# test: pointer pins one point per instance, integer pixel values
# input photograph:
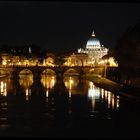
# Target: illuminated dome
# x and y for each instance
(93, 42)
(94, 50)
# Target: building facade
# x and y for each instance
(94, 50)
(77, 59)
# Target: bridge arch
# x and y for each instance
(94, 71)
(71, 71)
(26, 82)
(48, 78)
(48, 71)
(4, 72)
(24, 72)
(25, 78)
(71, 82)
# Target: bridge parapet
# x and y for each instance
(37, 70)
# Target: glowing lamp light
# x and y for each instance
(47, 93)
(4, 63)
(101, 62)
(112, 62)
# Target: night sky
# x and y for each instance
(65, 26)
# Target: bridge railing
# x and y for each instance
(27, 66)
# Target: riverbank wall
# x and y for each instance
(114, 87)
(128, 78)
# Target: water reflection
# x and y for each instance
(111, 99)
(26, 81)
(93, 94)
(3, 88)
(6, 86)
(93, 91)
(96, 94)
(85, 102)
(71, 82)
(48, 81)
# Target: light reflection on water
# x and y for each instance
(26, 81)
(79, 95)
(94, 93)
(71, 82)
(3, 88)
(48, 81)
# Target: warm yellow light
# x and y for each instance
(53, 81)
(102, 93)
(101, 62)
(105, 95)
(117, 104)
(70, 94)
(112, 102)
(48, 81)
(109, 99)
(91, 95)
(27, 94)
(4, 63)
(118, 97)
(71, 82)
(112, 62)
(91, 85)
(47, 93)
(3, 88)
(26, 81)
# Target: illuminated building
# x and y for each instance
(18, 55)
(109, 61)
(6, 58)
(77, 59)
(94, 49)
(49, 61)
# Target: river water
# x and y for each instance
(70, 107)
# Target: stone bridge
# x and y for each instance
(14, 71)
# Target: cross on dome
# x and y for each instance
(93, 34)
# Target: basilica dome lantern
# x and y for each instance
(94, 50)
(93, 42)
